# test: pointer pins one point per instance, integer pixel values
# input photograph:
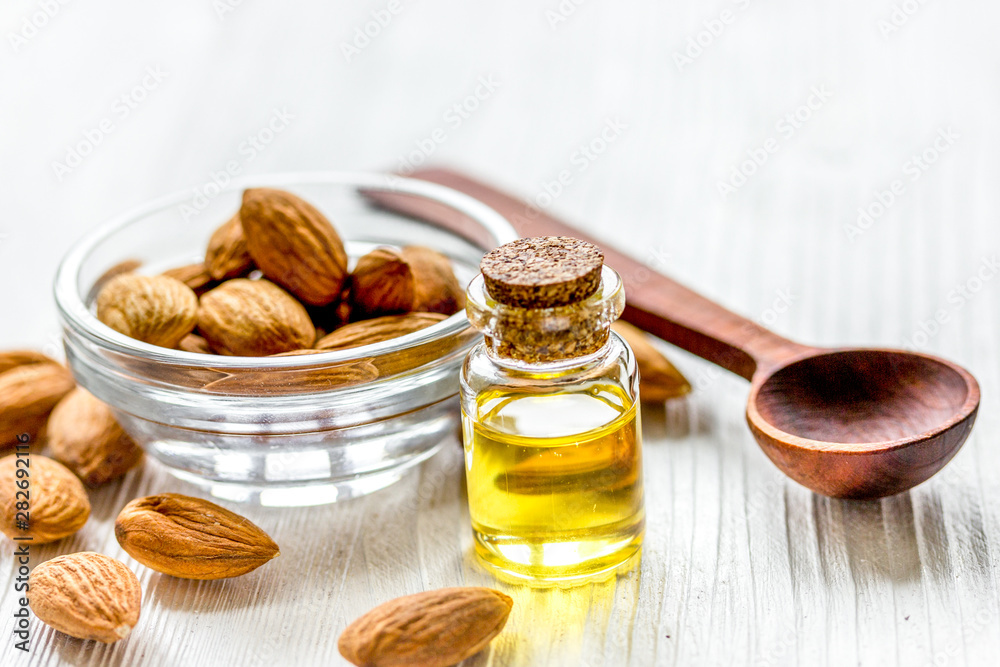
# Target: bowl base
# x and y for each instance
(304, 494)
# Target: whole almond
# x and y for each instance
(437, 290)
(294, 245)
(659, 380)
(86, 595)
(12, 358)
(377, 330)
(389, 281)
(158, 310)
(227, 255)
(253, 318)
(58, 502)
(28, 392)
(195, 276)
(432, 629)
(84, 435)
(191, 538)
(382, 282)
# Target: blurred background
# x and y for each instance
(710, 139)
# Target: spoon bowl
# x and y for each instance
(862, 423)
(847, 422)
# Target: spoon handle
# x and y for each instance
(655, 303)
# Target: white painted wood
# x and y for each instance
(741, 566)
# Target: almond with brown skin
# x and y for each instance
(280, 382)
(194, 343)
(191, 538)
(158, 310)
(227, 255)
(28, 392)
(436, 289)
(127, 266)
(195, 276)
(58, 505)
(84, 435)
(659, 380)
(431, 629)
(377, 330)
(12, 358)
(86, 595)
(388, 281)
(253, 318)
(294, 245)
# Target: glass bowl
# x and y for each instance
(294, 430)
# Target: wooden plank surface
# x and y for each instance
(741, 566)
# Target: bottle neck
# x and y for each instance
(535, 336)
(534, 362)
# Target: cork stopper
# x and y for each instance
(543, 272)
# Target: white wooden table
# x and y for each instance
(741, 566)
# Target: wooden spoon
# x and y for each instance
(845, 422)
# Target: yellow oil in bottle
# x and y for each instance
(555, 482)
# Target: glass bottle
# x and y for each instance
(550, 416)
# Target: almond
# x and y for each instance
(194, 343)
(280, 381)
(377, 330)
(158, 310)
(84, 435)
(227, 255)
(58, 502)
(294, 245)
(659, 380)
(195, 276)
(253, 318)
(191, 538)
(431, 629)
(28, 392)
(13, 358)
(436, 289)
(128, 266)
(86, 595)
(389, 281)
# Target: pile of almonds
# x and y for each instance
(275, 280)
(44, 499)
(91, 596)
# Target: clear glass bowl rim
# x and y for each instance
(76, 314)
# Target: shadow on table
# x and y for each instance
(674, 420)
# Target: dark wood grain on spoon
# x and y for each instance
(846, 422)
